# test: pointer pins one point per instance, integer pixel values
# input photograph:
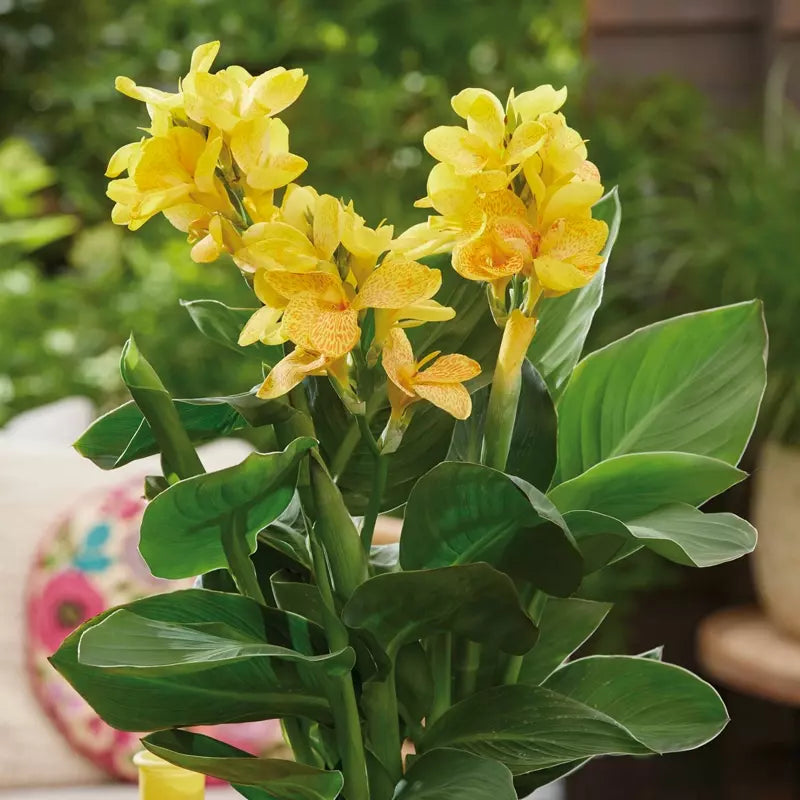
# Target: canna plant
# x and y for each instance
(439, 667)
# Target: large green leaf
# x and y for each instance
(122, 435)
(601, 539)
(564, 321)
(566, 623)
(239, 690)
(446, 774)
(281, 779)
(130, 644)
(427, 439)
(664, 706)
(180, 534)
(474, 601)
(631, 485)
(223, 324)
(532, 455)
(529, 728)
(460, 513)
(690, 384)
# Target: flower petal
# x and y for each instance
(263, 326)
(571, 200)
(453, 368)
(525, 141)
(568, 239)
(558, 276)
(119, 161)
(450, 397)
(465, 151)
(541, 100)
(203, 56)
(483, 259)
(289, 372)
(317, 325)
(323, 286)
(397, 283)
(397, 359)
(326, 230)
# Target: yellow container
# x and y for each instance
(160, 780)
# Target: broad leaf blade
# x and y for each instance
(565, 625)
(632, 485)
(693, 384)
(664, 706)
(180, 535)
(281, 779)
(564, 321)
(445, 774)
(530, 728)
(472, 600)
(240, 691)
(461, 513)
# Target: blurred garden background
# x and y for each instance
(708, 175)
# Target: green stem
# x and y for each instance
(239, 564)
(347, 722)
(514, 665)
(296, 733)
(374, 504)
(379, 700)
(345, 450)
(470, 662)
(441, 657)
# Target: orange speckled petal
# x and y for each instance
(567, 238)
(289, 372)
(480, 259)
(398, 283)
(263, 326)
(317, 325)
(450, 397)
(453, 368)
(398, 360)
(320, 285)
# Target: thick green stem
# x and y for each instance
(514, 665)
(470, 662)
(504, 395)
(501, 415)
(374, 505)
(441, 658)
(239, 564)
(296, 733)
(347, 722)
(379, 701)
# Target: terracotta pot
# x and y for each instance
(776, 514)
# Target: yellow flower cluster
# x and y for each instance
(212, 164)
(513, 192)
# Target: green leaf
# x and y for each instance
(529, 728)
(223, 324)
(472, 600)
(414, 682)
(685, 535)
(180, 534)
(178, 456)
(130, 644)
(242, 690)
(564, 321)
(461, 513)
(445, 774)
(629, 486)
(532, 456)
(565, 625)
(529, 782)
(692, 384)
(281, 779)
(122, 435)
(298, 597)
(677, 532)
(664, 706)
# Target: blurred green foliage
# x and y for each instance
(381, 73)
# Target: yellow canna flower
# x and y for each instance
(291, 370)
(440, 384)
(176, 169)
